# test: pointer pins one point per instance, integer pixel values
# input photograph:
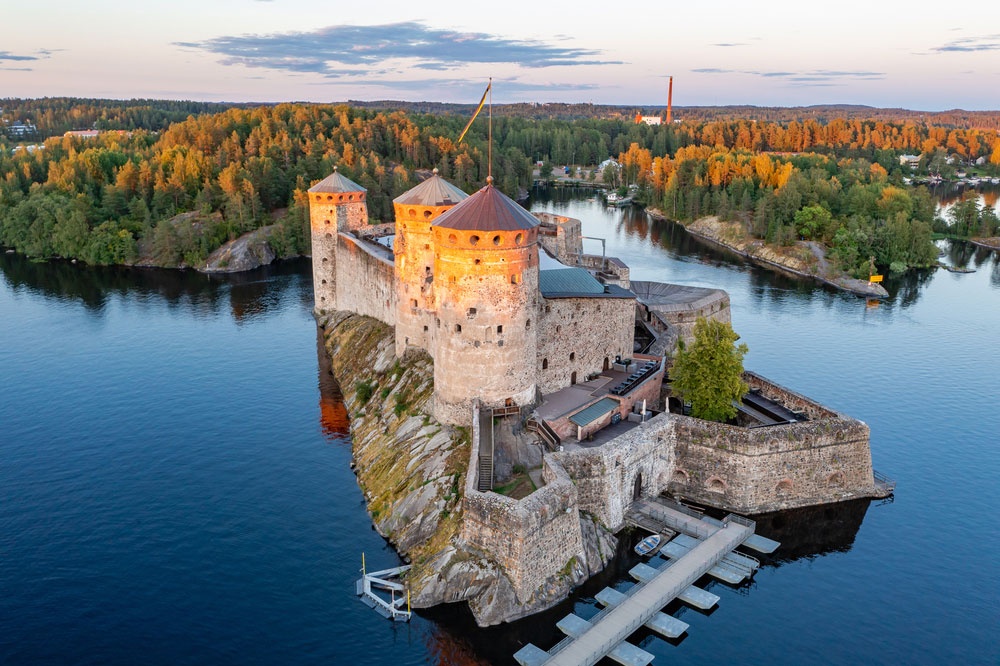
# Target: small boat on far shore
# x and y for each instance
(648, 545)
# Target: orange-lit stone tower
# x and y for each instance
(486, 287)
(335, 204)
(414, 255)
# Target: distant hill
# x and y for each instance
(822, 113)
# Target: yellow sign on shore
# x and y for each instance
(875, 278)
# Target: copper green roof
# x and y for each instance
(336, 183)
(435, 191)
(595, 411)
(489, 209)
(568, 281)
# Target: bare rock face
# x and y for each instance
(249, 251)
(411, 469)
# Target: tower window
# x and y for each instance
(497, 240)
(499, 329)
(473, 240)
(513, 279)
(413, 303)
(458, 328)
(478, 261)
(452, 238)
(572, 356)
(413, 213)
(427, 213)
(472, 312)
(545, 364)
(527, 324)
(518, 239)
(326, 222)
(425, 329)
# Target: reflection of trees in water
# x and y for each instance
(906, 287)
(333, 418)
(249, 294)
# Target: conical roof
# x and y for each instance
(489, 209)
(336, 183)
(435, 191)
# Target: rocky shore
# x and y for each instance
(412, 471)
(802, 259)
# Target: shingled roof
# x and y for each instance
(435, 191)
(336, 183)
(487, 210)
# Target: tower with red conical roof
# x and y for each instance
(335, 204)
(415, 210)
(486, 289)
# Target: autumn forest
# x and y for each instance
(165, 183)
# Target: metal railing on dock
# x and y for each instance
(382, 580)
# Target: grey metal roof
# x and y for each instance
(590, 414)
(336, 183)
(674, 297)
(568, 281)
(489, 209)
(435, 191)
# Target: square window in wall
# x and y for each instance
(458, 328)
(499, 329)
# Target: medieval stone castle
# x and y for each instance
(522, 325)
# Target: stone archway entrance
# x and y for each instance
(637, 488)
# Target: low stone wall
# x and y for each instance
(756, 470)
(366, 279)
(790, 399)
(534, 540)
(561, 236)
(639, 463)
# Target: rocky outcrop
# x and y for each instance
(249, 251)
(801, 259)
(412, 471)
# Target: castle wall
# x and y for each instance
(365, 279)
(756, 470)
(582, 336)
(562, 236)
(533, 539)
(605, 476)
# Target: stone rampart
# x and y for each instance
(561, 236)
(762, 469)
(534, 539)
(365, 279)
(638, 463)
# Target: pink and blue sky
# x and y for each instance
(778, 53)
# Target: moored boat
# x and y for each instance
(648, 545)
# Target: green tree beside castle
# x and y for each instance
(708, 373)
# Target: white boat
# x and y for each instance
(648, 545)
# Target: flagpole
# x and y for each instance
(489, 167)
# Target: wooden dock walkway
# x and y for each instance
(709, 546)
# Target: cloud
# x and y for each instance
(731, 44)
(970, 44)
(826, 75)
(7, 55)
(510, 87)
(355, 50)
(16, 69)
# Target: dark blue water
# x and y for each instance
(175, 484)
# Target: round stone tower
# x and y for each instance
(486, 287)
(335, 204)
(415, 210)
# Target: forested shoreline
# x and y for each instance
(154, 190)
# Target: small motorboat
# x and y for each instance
(648, 545)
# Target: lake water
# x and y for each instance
(175, 484)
